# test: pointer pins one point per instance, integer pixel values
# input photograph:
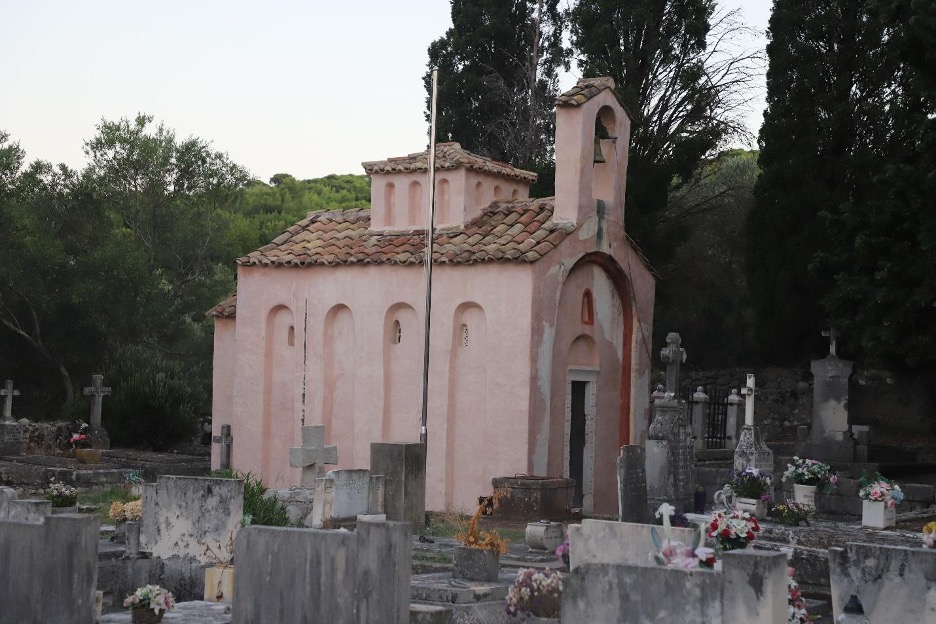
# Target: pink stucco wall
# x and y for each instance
(222, 382)
(489, 436)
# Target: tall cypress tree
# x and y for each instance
(498, 75)
(828, 242)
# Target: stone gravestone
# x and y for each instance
(404, 466)
(632, 484)
(830, 438)
(183, 514)
(11, 433)
(669, 449)
(96, 431)
(49, 569)
(751, 450)
(301, 575)
(343, 495)
(312, 454)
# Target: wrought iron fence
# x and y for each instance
(715, 427)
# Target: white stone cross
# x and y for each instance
(833, 337)
(748, 392)
(96, 391)
(8, 393)
(312, 453)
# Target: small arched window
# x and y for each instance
(397, 335)
(588, 308)
(291, 336)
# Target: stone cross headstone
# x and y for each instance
(225, 440)
(830, 437)
(751, 451)
(97, 391)
(673, 355)
(312, 453)
(7, 392)
(11, 433)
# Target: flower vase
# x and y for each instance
(877, 514)
(805, 494)
(88, 456)
(754, 506)
(475, 564)
(219, 584)
(146, 616)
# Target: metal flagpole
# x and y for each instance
(430, 234)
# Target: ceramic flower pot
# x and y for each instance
(219, 584)
(754, 506)
(805, 495)
(88, 456)
(877, 514)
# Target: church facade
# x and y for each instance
(542, 312)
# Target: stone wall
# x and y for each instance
(885, 401)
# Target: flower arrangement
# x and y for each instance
(796, 608)
(791, 513)
(929, 535)
(151, 597)
(750, 483)
(673, 554)
(80, 439)
(880, 489)
(562, 552)
(129, 512)
(535, 593)
(810, 472)
(732, 530)
(490, 540)
(60, 494)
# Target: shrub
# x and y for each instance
(258, 509)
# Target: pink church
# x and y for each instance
(541, 321)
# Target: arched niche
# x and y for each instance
(279, 396)
(443, 202)
(416, 213)
(389, 206)
(338, 381)
(402, 378)
(604, 177)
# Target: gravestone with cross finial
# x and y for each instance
(830, 437)
(97, 391)
(669, 448)
(11, 432)
(312, 454)
(751, 450)
(225, 441)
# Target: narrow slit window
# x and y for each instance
(397, 335)
(464, 335)
(588, 308)
(291, 336)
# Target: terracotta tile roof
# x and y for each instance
(225, 309)
(448, 156)
(587, 88)
(519, 230)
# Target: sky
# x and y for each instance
(306, 87)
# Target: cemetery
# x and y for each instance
(621, 504)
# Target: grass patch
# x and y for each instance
(102, 499)
(444, 524)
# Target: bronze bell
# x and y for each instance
(599, 157)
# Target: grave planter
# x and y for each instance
(145, 616)
(475, 564)
(877, 514)
(219, 584)
(544, 535)
(805, 494)
(754, 506)
(88, 456)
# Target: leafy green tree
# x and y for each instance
(706, 297)
(675, 68)
(498, 75)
